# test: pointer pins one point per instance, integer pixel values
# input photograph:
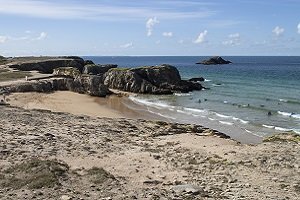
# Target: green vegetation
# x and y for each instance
(34, 174)
(99, 175)
(9, 75)
(283, 137)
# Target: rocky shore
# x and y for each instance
(47, 155)
(57, 155)
(83, 76)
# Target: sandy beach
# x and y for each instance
(113, 106)
(65, 101)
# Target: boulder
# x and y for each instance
(48, 65)
(216, 60)
(164, 79)
(93, 69)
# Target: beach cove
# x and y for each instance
(59, 135)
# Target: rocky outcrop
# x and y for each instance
(164, 79)
(88, 62)
(67, 72)
(48, 65)
(91, 85)
(200, 79)
(216, 60)
(93, 69)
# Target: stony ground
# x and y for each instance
(47, 155)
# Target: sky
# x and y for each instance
(152, 27)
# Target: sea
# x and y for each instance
(253, 97)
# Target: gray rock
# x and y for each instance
(164, 79)
(187, 188)
(93, 69)
(48, 65)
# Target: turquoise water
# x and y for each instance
(240, 96)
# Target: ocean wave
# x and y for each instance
(194, 110)
(283, 100)
(157, 104)
(268, 126)
(223, 116)
(289, 101)
(281, 128)
(207, 80)
(287, 114)
(183, 94)
(226, 123)
(248, 131)
(211, 119)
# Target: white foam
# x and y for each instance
(286, 114)
(226, 123)
(223, 116)
(207, 80)
(226, 102)
(296, 131)
(282, 129)
(211, 119)
(194, 110)
(283, 100)
(248, 131)
(268, 126)
(183, 94)
(158, 105)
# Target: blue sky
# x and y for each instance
(156, 27)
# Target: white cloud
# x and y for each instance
(42, 36)
(127, 45)
(278, 31)
(233, 40)
(298, 28)
(167, 34)
(151, 22)
(201, 37)
(3, 39)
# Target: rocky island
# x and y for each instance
(216, 60)
(47, 154)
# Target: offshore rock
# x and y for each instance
(164, 79)
(216, 60)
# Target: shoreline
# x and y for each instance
(119, 158)
(113, 106)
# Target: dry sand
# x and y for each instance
(65, 101)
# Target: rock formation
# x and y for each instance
(93, 69)
(47, 65)
(164, 79)
(71, 74)
(216, 60)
